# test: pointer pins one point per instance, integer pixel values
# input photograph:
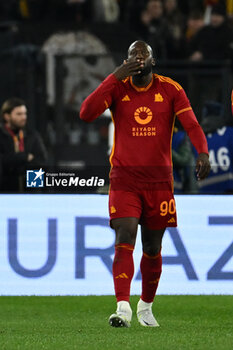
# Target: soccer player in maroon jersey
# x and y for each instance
(143, 106)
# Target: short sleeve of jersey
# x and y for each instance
(181, 101)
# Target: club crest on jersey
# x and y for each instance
(143, 115)
(158, 98)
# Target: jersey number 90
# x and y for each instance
(167, 207)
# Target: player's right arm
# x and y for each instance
(100, 99)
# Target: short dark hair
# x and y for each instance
(219, 9)
(10, 104)
(196, 14)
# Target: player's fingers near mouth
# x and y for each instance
(135, 63)
(135, 69)
(136, 73)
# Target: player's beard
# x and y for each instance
(145, 70)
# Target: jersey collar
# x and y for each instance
(145, 88)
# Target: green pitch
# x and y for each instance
(186, 323)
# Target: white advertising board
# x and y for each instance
(62, 245)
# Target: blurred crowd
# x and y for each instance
(92, 37)
(176, 29)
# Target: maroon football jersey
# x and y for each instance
(144, 120)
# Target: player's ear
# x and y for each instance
(153, 61)
(125, 61)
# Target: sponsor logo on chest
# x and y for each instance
(143, 115)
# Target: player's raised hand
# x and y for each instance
(202, 166)
(127, 69)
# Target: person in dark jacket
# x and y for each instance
(155, 29)
(214, 41)
(20, 148)
(211, 43)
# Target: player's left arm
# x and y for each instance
(186, 116)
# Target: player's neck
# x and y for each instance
(142, 81)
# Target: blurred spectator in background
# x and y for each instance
(122, 4)
(210, 4)
(220, 143)
(177, 23)
(133, 10)
(78, 11)
(84, 11)
(154, 29)
(187, 6)
(213, 42)
(183, 163)
(20, 149)
(105, 10)
(195, 22)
